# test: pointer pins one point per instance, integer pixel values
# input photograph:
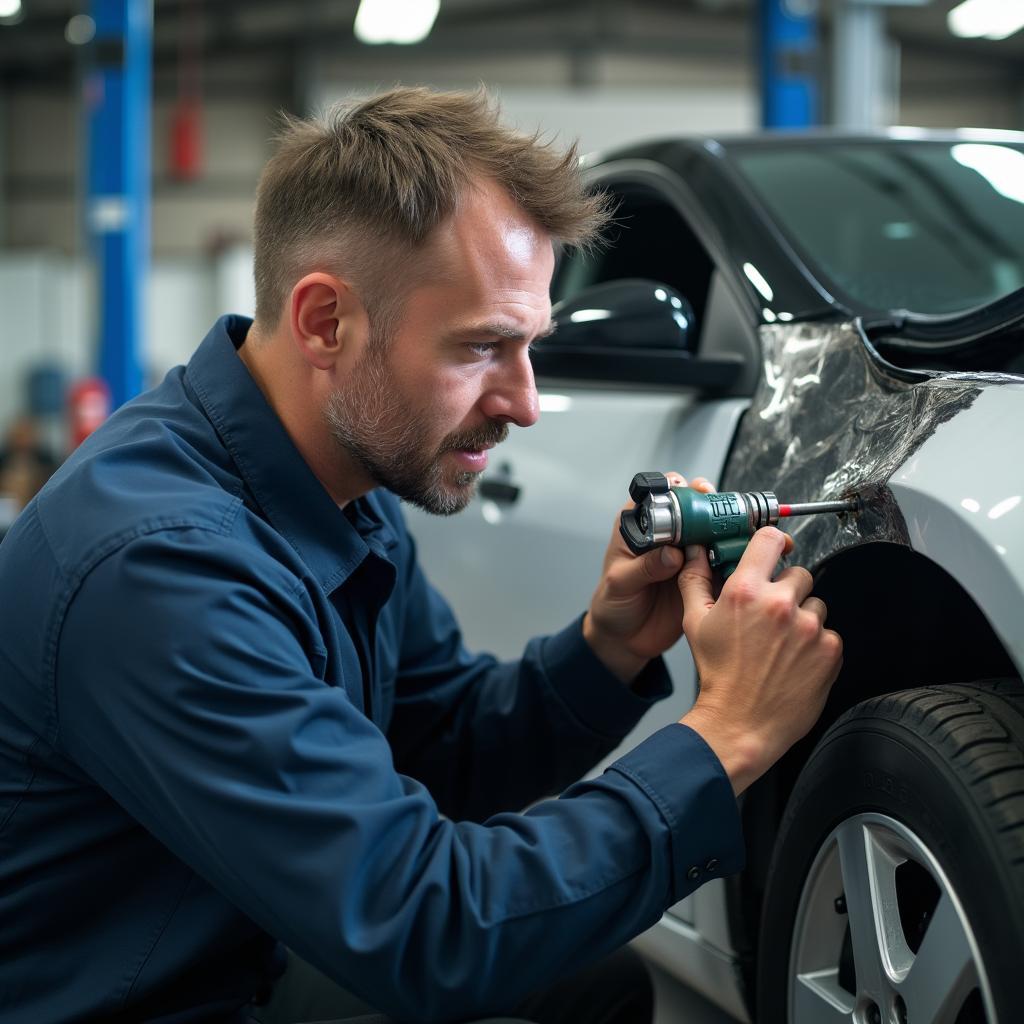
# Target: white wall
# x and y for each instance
(44, 175)
(47, 306)
(603, 117)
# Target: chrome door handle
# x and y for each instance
(502, 492)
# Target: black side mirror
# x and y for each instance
(630, 332)
(633, 313)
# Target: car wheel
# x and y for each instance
(896, 890)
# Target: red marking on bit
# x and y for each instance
(785, 510)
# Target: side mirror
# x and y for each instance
(630, 332)
(626, 314)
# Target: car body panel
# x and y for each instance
(832, 420)
(684, 952)
(962, 498)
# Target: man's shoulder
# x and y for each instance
(154, 465)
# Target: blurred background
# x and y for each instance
(132, 133)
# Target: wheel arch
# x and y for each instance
(905, 622)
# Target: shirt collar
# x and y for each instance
(331, 543)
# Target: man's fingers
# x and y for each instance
(763, 552)
(798, 581)
(816, 607)
(695, 587)
(630, 576)
(698, 483)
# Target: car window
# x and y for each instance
(901, 225)
(648, 239)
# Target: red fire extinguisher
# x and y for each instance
(88, 407)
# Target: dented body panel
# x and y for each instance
(931, 457)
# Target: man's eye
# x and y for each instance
(484, 348)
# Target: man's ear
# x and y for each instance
(328, 320)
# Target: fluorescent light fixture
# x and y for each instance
(394, 21)
(80, 29)
(1000, 166)
(10, 8)
(992, 19)
(581, 316)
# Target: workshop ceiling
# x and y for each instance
(283, 35)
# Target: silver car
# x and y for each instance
(821, 317)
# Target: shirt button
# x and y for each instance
(711, 865)
(693, 874)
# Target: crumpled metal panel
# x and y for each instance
(831, 420)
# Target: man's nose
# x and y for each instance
(512, 394)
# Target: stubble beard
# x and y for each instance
(368, 422)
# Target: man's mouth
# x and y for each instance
(472, 460)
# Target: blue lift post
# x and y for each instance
(118, 96)
(789, 63)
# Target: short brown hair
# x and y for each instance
(354, 188)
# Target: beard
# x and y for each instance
(367, 420)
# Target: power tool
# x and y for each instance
(722, 522)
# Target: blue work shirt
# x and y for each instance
(233, 715)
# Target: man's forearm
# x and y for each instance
(738, 751)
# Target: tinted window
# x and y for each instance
(921, 226)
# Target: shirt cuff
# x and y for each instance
(684, 779)
(602, 702)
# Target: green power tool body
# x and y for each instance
(722, 522)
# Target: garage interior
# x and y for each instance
(84, 328)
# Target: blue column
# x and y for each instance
(118, 100)
(789, 63)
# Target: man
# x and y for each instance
(234, 714)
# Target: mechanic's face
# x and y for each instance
(422, 407)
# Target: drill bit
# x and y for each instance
(811, 508)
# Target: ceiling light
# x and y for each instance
(80, 29)
(10, 8)
(993, 19)
(395, 21)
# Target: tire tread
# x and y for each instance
(978, 729)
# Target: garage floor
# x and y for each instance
(675, 1004)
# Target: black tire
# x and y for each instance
(936, 776)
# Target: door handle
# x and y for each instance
(502, 492)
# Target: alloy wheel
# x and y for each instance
(881, 937)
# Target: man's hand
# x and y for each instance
(765, 661)
(636, 612)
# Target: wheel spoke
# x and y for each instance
(860, 862)
(943, 972)
(818, 998)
